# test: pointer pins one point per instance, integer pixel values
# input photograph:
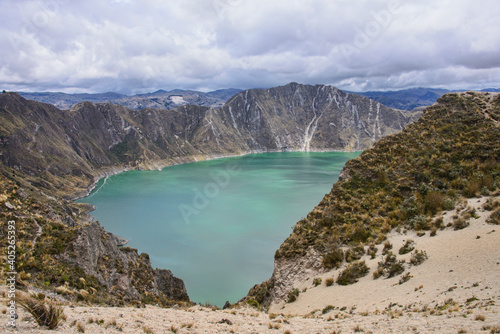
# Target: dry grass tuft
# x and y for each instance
(46, 313)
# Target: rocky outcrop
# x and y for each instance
(170, 285)
(122, 271)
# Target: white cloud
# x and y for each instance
(143, 45)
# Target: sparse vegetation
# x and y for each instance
(292, 295)
(460, 223)
(407, 247)
(404, 278)
(418, 257)
(328, 309)
(352, 273)
(354, 253)
(491, 204)
(253, 303)
(494, 218)
(333, 259)
(387, 247)
(329, 281)
(389, 267)
(452, 152)
(45, 312)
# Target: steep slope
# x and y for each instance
(301, 117)
(452, 152)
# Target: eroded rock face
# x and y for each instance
(122, 270)
(170, 285)
(289, 272)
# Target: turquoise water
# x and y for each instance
(216, 224)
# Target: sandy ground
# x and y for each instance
(456, 290)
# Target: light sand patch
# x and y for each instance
(461, 264)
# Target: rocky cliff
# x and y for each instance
(52, 156)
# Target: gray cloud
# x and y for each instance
(136, 46)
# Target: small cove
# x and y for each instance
(216, 224)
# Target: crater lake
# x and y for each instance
(216, 224)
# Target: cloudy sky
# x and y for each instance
(134, 46)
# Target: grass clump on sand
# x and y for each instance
(389, 267)
(352, 273)
(45, 312)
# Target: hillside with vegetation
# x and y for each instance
(401, 184)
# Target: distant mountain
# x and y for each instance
(160, 99)
(66, 101)
(409, 99)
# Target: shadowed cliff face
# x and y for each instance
(54, 155)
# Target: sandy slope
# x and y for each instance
(465, 261)
(454, 290)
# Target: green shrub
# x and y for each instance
(354, 253)
(494, 218)
(419, 223)
(387, 248)
(473, 188)
(372, 251)
(292, 295)
(491, 204)
(460, 223)
(352, 273)
(404, 278)
(329, 281)
(328, 309)
(407, 247)
(317, 281)
(389, 266)
(395, 269)
(418, 257)
(253, 303)
(449, 204)
(333, 259)
(434, 202)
